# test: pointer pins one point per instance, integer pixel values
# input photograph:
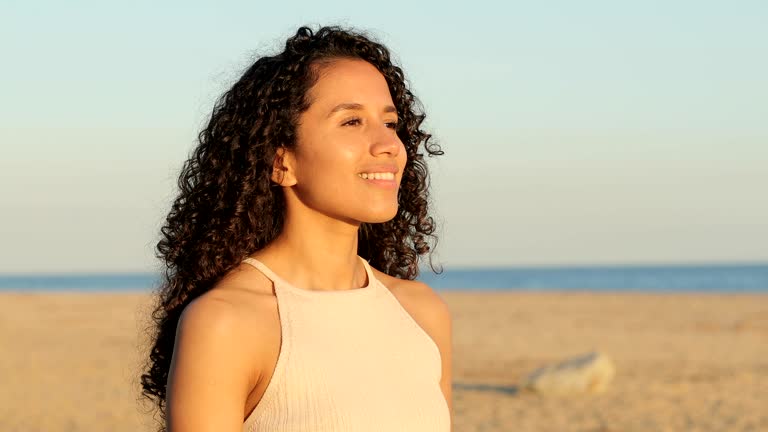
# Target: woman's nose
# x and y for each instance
(386, 141)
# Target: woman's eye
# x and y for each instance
(353, 121)
(357, 121)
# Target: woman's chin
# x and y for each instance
(381, 216)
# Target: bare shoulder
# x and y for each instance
(236, 303)
(210, 375)
(246, 296)
(227, 318)
(224, 340)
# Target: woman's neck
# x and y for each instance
(316, 255)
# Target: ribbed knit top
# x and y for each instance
(350, 360)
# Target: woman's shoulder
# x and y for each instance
(240, 299)
(249, 298)
(217, 356)
(239, 305)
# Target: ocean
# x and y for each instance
(725, 278)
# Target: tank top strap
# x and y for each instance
(283, 285)
(368, 272)
(264, 269)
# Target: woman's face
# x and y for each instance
(348, 161)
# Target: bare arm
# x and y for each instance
(210, 378)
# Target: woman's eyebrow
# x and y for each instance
(356, 107)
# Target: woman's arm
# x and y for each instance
(210, 375)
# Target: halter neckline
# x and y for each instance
(369, 288)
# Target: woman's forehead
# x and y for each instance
(348, 81)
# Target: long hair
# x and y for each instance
(227, 207)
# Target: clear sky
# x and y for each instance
(592, 132)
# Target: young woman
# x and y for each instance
(289, 302)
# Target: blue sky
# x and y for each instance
(575, 132)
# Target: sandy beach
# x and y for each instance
(684, 362)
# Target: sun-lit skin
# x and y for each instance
(300, 167)
(335, 145)
(349, 129)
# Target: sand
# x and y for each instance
(684, 362)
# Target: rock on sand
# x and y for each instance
(588, 373)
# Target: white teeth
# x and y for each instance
(378, 176)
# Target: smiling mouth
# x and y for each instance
(377, 176)
(387, 181)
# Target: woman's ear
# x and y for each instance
(283, 167)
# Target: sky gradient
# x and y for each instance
(574, 133)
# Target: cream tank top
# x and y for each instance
(350, 360)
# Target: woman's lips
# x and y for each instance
(387, 184)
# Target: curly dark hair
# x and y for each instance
(228, 207)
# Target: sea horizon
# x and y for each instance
(710, 277)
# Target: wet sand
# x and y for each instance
(692, 362)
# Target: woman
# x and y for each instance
(289, 302)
